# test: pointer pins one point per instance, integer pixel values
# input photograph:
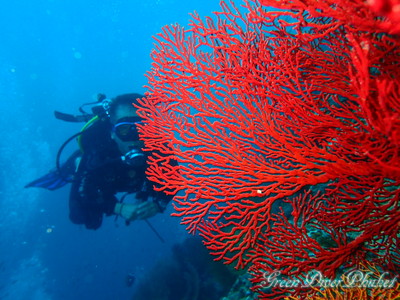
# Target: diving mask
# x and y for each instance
(126, 129)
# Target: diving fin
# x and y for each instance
(57, 178)
(51, 181)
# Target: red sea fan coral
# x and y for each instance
(284, 119)
(371, 16)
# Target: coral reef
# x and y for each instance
(284, 117)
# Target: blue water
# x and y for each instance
(55, 55)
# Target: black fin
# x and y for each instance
(56, 179)
(51, 181)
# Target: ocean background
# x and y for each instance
(56, 55)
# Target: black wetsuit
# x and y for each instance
(101, 174)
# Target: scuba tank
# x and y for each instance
(99, 112)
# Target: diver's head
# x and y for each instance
(124, 120)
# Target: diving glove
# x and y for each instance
(136, 211)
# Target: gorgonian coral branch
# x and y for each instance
(264, 108)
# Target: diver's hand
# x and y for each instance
(139, 211)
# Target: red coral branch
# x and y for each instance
(368, 16)
(286, 127)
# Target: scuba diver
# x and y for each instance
(110, 160)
